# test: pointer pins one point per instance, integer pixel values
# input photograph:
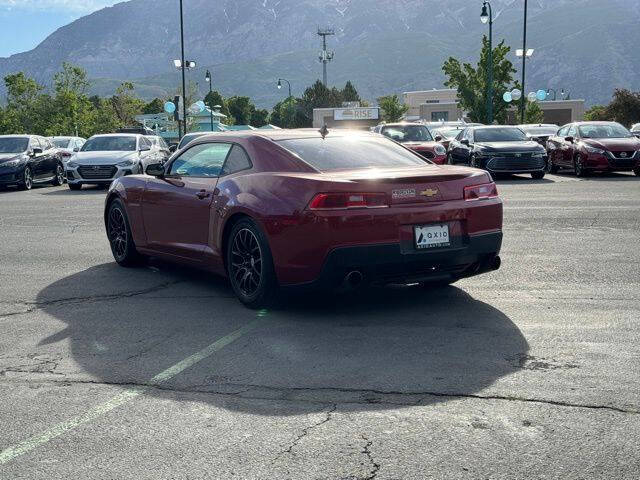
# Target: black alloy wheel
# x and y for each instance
(74, 186)
(59, 176)
(120, 238)
(27, 179)
(538, 175)
(551, 168)
(578, 167)
(250, 265)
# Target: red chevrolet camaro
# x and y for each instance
(288, 208)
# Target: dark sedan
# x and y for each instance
(594, 147)
(28, 160)
(303, 208)
(499, 150)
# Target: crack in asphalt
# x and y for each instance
(375, 467)
(32, 306)
(305, 432)
(242, 389)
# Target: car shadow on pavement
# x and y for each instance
(377, 348)
(65, 191)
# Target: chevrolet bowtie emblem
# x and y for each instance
(429, 192)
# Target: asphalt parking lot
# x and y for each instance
(159, 372)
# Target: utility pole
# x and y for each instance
(523, 101)
(183, 66)
(325, 56)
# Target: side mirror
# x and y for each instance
(439, 138)
(76, 149)
(36, 151)
(569, 139)
(464, 141)
(155, 170)
(173, 147)
(145, 148)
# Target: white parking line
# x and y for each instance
(21, 448)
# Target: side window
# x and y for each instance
(236, 161)
(460, 135)
(573, 131)
(468, 135)
(79, 144)
(204, 160)
(162, 143)
(144, 142)
(35, 143)
(563, 131)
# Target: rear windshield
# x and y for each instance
(344, 153)
(505, 134)
(61, 142)
(533, 131)
(109, 144)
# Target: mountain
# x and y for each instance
(587, 47)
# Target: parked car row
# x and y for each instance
(534, 148)
(28, 160)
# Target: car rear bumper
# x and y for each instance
(387, 263)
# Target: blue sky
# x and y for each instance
(25, 23)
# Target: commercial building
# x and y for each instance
(442, 105)
(361, 118)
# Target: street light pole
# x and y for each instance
(280, 80)
(209, 79)
(524, 64)
(483, 18)
(183, 66)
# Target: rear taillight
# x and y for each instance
(478, 192)
(342, 201)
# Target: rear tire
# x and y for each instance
(75, 186)
(637, 172)
(250, 265)
(120, 237)
(59, 176)
(538, 175)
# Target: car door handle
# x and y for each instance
(202, 194)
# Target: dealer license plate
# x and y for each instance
(432, 236)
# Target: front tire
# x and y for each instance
(27, 179)
(59, 176)
(74, 186)
(578, 167)
(637, 172)
(250, 265)
(537, 175)
(120, 237)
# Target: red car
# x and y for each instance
(417, 137)
(301, 208)
(594, 146)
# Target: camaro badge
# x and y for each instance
(429, 192)
(404, 193)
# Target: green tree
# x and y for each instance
(625, 107)
(24, 105)
(154, 106)
(392, 108)
(596, 113)
(316, 96)
(259, 117)
(240, 109)
(471, 82)
(283, 114)
(126, 105)
(215, 98)
(349, 93)
(533, 113)
(70, 112)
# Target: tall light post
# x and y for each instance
(183, 66)
(487, 16)
(524, 63)
(280, 80)
(208, 78)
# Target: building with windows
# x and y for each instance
(442, 105)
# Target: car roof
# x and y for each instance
(286, 134)
(17, 136)
(136, 135)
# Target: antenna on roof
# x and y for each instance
(324, 131)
